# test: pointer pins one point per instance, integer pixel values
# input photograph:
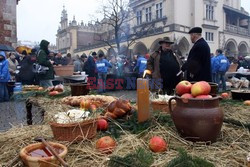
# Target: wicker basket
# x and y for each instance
(75, 131)
(161, 106)
(64, 70)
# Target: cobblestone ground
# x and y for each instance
(14, 113)
(125, 94)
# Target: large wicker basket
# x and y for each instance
(64, 70)
(74, 131)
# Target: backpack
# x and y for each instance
(39, 69)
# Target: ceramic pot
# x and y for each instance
(197, 119)
(49, 161)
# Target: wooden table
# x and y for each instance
(237, 75)
(72, 78)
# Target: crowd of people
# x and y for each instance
(163, 64)
(16, 67)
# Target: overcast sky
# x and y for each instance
(39, 19)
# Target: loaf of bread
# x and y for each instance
(99, 100)
(118, 108)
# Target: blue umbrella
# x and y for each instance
(6, 48)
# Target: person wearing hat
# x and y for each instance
(13, 63)
(43, 60)
(89, 65)
(198, 65)
(164, 65)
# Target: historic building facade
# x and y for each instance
(225, 25)
(72, 35)
(8, 33)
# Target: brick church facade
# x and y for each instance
(8, 32)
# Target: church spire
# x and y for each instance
(64, 14)
(64, 18)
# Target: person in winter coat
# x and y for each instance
(68, 59)
(141, 65)
(213, 68)
(120, 67)
(78, 64)
(43, 59)
(59, 60)
(4, 77)
(13, 63)
(102, 66)
(89, 65)
(26, 74)
(164, 65)
(221, 67)
(198, 65)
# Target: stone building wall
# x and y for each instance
(8, 33)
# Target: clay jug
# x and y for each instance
(197, 119)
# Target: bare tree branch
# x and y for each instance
(117, 16)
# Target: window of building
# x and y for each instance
(209, 36)
(139, 17)
(148, 14)
(158, 10)
(209, 12)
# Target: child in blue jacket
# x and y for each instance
(102, 66)
(4, 77)
(221, 67)
(141, 65)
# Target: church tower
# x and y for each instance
(64, 19)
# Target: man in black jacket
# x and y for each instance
(26, 74)
(89, 65)
(198, 65)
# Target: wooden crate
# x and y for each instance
(233, 68)
(64, 70)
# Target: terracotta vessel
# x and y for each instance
(197, 119)
(50, 161)
(78, 89)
